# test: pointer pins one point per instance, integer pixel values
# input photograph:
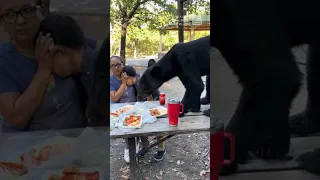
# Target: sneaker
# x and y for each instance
(126, 156)
(159, 155)
(142, 155)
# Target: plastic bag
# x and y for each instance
(115, 106)
(79, 149)
(20, 147)
(113, 122)
(14, 146)
(144, 110)
(149, 105)
(140, 108)
(147, 118)
(90, 149)
(121, 127)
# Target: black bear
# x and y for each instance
(99, 100)
(188, 61)
(308, 122)
(255, 38)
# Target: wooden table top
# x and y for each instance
(190, 123)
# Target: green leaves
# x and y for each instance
(146, 20)
(197, 7)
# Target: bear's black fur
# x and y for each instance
(188, 61)
(255, 38)
(310, 161)
(99, 99)
(308, 122)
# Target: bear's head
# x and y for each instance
(164, 70)
(150, 81)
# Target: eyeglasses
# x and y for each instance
(114, 66)
(25, 13)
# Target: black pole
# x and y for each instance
(180, 20)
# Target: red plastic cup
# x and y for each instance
(174, 105)
(162, 99)
(217, 153)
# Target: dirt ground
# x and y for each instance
(186, 156)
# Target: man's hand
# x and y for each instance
(44, 52)
(123, 78)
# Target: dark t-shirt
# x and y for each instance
(61, 106)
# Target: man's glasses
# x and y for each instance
(114, 66)
(26, 13)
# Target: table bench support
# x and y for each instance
(143, 151)
(133, 158)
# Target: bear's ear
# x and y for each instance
(156, 72)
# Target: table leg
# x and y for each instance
(133, 159)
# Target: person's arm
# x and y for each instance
(18, 108)
(115, 95)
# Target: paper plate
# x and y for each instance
(162, 110)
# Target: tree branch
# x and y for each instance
(135, 8)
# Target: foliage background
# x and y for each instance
(142, 33)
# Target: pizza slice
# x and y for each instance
(74, 173)
(14, 169)
(38, 156)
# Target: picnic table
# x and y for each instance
(71, 133)
(190, 123)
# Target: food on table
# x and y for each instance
(71, 170)
(124, 109)
(74, 173)
(155, 112)
(10, 168)
(158, 111)
(132, 120)
(38, 156)
(113, 114)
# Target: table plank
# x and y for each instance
(298, 147)
(115, 106)
(190, 123)
(187, 124)
(75, 132)
(283, 175)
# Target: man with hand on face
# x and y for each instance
(45, 10)
(120, 92)
(32, 96)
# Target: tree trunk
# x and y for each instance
(134, 50)
(123, 40)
